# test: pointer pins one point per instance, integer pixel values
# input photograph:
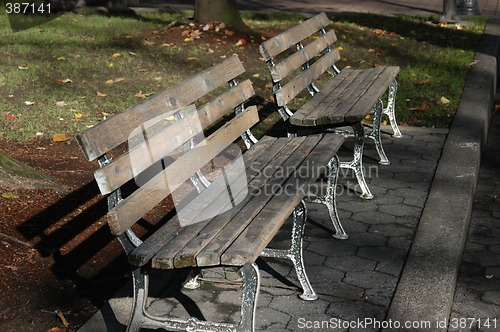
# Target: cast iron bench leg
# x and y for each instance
(390, 110)
(329, 199)
(295, 252)
(357, 163)
(375, 134)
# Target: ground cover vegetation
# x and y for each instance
(74, 71)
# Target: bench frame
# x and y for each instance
(97, 141)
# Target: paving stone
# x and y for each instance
(381, 254)
(402, 242)
(370, 279)
(379, 296)
(374, 218)
(332, 247)
(394, 230)
(354, 310)
(315, 322)
(351, 264)
(391, 267)
(367, 239)
(400, 210)
(269, 319)
(492, 297)
(297, 307)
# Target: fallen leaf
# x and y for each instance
(490, 276)
(228, 32)
(10, 195)
(9, 117)
(61, 58)
(62, 318)
(473, 63)
(241, 42)
(23, 67)
(148, 43)
(110, 65)
(29, 103)
(340, 48)
(119, 79)
(378, 31)
(117, 55)
(100, 94)
(444, 101)
(143, 95)
(106, 114)
(78, 115)
(256, 75)
(422, 82)
(57, 329)
(187, 39)
(60, 138)
(66, 80)
(61, 103)
(421, 108)
(192, 59)
(132, 53)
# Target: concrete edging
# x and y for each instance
(426, 288)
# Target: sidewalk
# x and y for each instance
(404, 251)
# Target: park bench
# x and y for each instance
(298, 58)
(220, 221)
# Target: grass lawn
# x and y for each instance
(79, 69)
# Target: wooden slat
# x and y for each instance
(274, 46)
(301, 81)
(297, 59)
(107, 135)
(307, 114)
(252, 241)
(129, 210)
(211, 254)
(120, 171)
(337, 106)
(377, 88)
(153, 244)
(182, 257)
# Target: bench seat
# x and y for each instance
(238, 236)
(346, 98)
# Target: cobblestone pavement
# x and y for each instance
(477, 297)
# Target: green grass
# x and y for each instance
(92, 50)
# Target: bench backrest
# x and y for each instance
(294, 71)
(157, 126)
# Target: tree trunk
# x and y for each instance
(206, 11)
(449, 11)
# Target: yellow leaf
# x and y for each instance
(192, 59)
(340, 48)
(187, 39)
(110, 81)
(10, 195)
(444, 100)
(78, 115)
(256, 75)
(368, 117)
(110, 65)
(67, 80)
(61, 58)
(143, 95)
(117, 55)
(100, 94)
(60, 138)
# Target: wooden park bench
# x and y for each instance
(235, 210)
(297, 60)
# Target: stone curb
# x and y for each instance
(426, 288)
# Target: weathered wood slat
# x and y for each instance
(101, 138)
(182, 256)
(307, 115)
(374, 92)
(252, 241)
(310, 51)
(280, 43)
(340, 103)
(300, 82)
(162, 237)
(211, 254)
(129, 210)
(120, 171)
